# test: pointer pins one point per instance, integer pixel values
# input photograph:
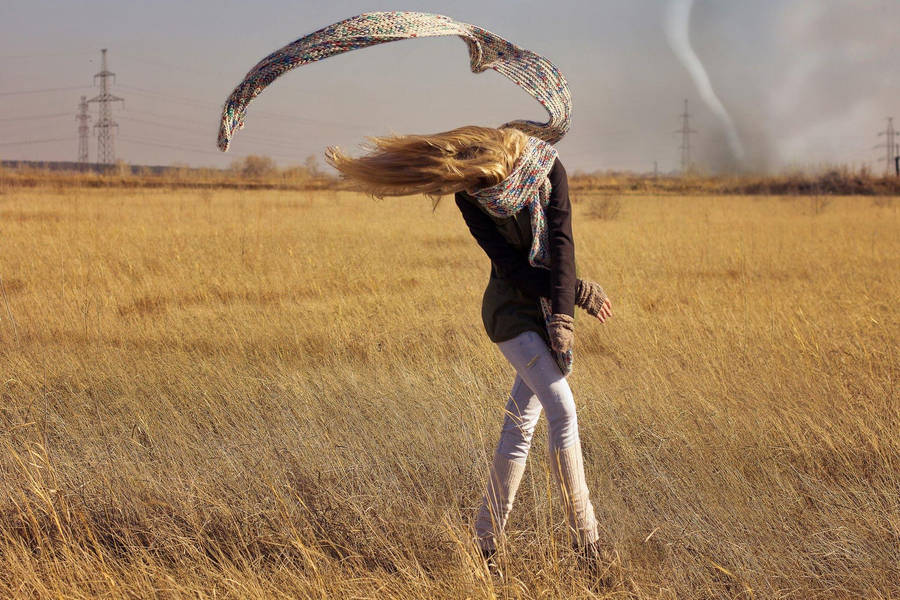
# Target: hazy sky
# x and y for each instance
(807, 82)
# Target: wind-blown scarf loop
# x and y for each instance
(532, 72)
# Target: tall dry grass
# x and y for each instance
(289, 394)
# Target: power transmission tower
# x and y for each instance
(890, 146)
(685, 132)
(106, 150)
(83, 119)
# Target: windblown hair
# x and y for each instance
(467, 158)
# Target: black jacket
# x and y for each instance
(510, 302)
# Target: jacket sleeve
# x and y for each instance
(562, 244)
(533, 281)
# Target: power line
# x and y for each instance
(46, 128)
(210, 133)
(218, 106)
(165, 65)
(59, 89)
(36, 117)
(164, 145)
(168, 96)
(26, 142)
(148, 113)
(200, 150)
(289, 140)
(48, 55)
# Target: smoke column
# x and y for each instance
(678, 31)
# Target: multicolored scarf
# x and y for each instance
(532, 72)
(528, 187)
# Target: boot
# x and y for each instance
(601, 561)
(567, 466)
(490, 561)
(503, 481)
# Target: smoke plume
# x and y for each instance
(678, 20)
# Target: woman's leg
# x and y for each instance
(522, 413)
(523, 409)
(536, 366)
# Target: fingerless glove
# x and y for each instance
(561, 328)
(589, 296)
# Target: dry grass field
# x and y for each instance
(280, 394)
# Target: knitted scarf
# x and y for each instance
(528, 187)
(533, 73)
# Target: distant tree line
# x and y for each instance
(263, 167)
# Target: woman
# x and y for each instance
(513, 194)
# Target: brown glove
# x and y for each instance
(561, 328)
(591, 297)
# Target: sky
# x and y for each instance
(807, 83)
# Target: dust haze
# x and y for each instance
(813, 89)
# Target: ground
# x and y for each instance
(262, 394)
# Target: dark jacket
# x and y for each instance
(510, 305)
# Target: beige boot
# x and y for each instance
(567, 466)
(503, 481)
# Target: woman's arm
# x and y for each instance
(534, 281)
(562, 245)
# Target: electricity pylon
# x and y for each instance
(106, 150)
(685, 132)
(83, 119)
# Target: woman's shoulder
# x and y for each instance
(468, 204)
(463, 198)
(557, 170)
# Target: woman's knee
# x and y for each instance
(515, 444)
(562, 420)
(516, 436)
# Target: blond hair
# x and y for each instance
(466, 158)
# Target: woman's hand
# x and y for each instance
(591, 297)
(561, 329)
(605, 311)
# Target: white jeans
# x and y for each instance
(539, 384)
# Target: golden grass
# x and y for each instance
(289, 394)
